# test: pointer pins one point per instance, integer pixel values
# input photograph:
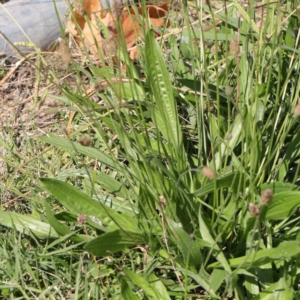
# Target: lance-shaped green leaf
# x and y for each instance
(283, 205)
(27, 224)
(160, 83)
(188, 248)
(114, 241)
(149, 291)
(79, 203)
(126, 292)
(285, 250)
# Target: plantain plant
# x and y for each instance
(187, 183)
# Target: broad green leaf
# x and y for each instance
(278, 290)
(160, 83)
(114, 241)
(290, 34)
(207, 237)
(229, 145)
(293, 148)
(143, 284)
(88, 151)
(131, 91)
(278, 187)
(106, 181)
(79, 203)
(251, 285)
(285, 250)
(158, 163)
(202, 278)
(283, 205)
(158, 286)
(177, 58)
(223, 182)
(188, 248)
(117, 203)
(110, 184)
(126, 291)
(216, 278)
(27, 225)
(291, 49)
(246, 82)
(150, 147)
(61, 229)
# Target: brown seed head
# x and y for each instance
(85, 141)
(117, 8)
(65, 54)
(162, 201)
(111, 44)
(254, 210)
(79, 7)
(228, 90)
(81, 219)
(228, 137)
(297, 109)
(213, 50)
(207, 172)
(266, 197)
(234, 47)
(99, 87)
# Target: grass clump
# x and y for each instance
(182, 181)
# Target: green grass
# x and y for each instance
(139, 213)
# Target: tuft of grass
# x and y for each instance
(181, 181)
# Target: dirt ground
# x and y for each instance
(24, 98)
(26, 107)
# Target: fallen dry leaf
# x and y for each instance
(132, 30)
(86, 28)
